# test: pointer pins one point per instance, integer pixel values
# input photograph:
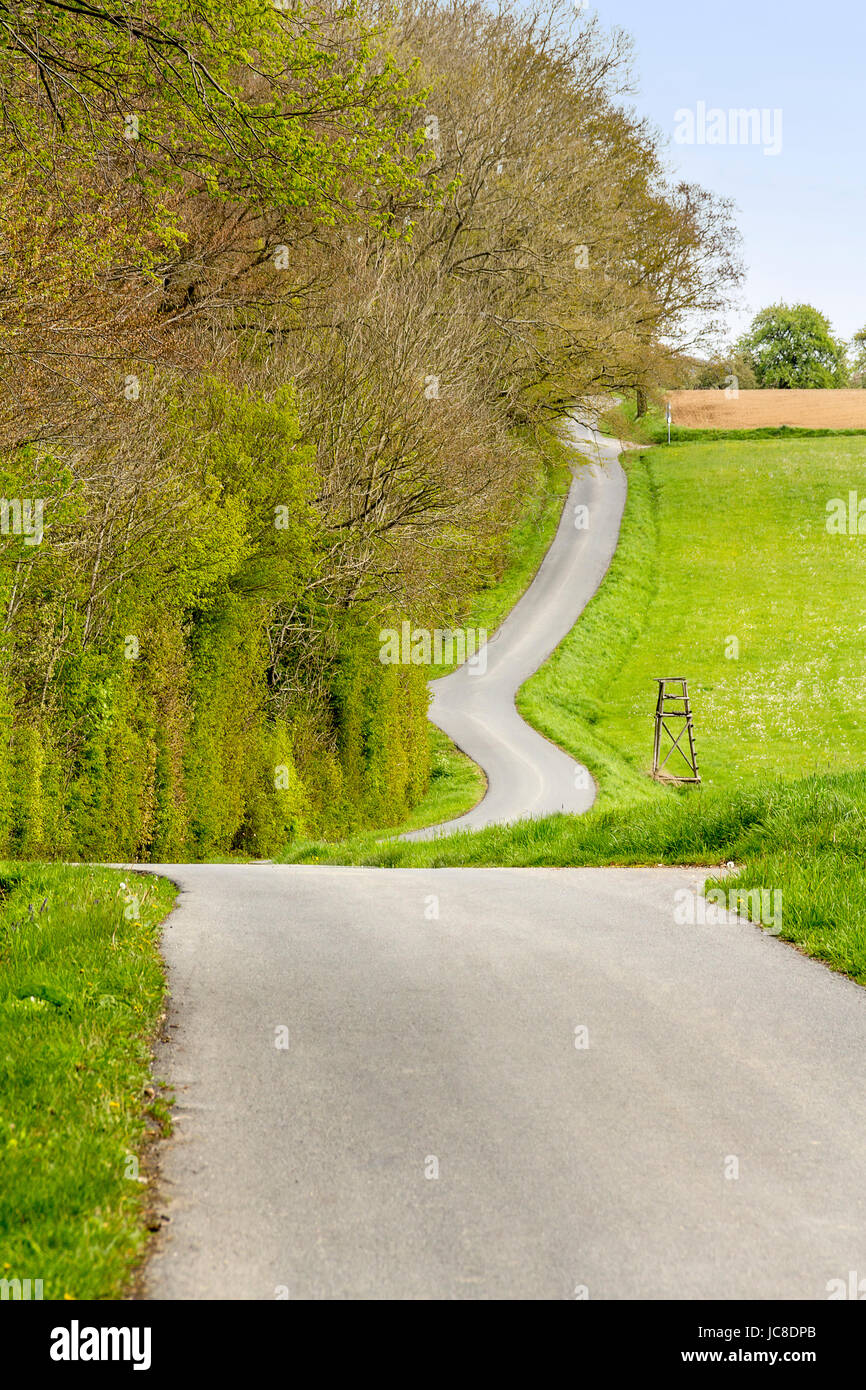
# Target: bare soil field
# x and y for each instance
(830, 410)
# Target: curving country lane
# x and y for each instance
(502, 1083)
(528, 776)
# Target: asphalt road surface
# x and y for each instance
(705, 1138)
(528, 776)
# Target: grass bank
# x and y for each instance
(81, 997)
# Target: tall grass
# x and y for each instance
(81, 994)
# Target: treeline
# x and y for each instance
(278, 285)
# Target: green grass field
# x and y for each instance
(751, 598)
(81, 996)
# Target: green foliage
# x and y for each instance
(6, 743)
(718, 372)
(153, 715)
(249, 102)
(858, 362)
(26, 791)
(237, 231)
(380, 716)
(793, 346)
(456, 785)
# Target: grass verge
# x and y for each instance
(81, 997)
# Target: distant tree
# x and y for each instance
(858, 356)
(792, 346)
(716, 374)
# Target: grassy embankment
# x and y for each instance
(726, 573)
(80, 1002)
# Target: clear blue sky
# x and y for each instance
(802, 213)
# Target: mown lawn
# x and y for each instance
(81, 994)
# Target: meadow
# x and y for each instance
(734, 581)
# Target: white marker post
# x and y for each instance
(668, 418)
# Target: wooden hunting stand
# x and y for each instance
(667, 715)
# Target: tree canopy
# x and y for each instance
(793, 346)
(858, 363)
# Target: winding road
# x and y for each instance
(528, 776)
(503, 1083)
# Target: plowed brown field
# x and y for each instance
(826, 410)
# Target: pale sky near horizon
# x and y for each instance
(802, 212)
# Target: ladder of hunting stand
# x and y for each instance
(681, 718)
